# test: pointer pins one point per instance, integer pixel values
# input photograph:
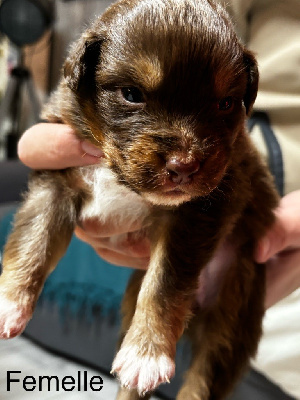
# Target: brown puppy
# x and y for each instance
(164, 88)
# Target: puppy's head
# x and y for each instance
(164, 87)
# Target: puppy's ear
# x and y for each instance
(252, 85)
(81, 64)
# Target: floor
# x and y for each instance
(21, 354)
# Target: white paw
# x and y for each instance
(13, 318)
(143, 373)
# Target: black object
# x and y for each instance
(25, 21)
(20, 83)
(276, 164)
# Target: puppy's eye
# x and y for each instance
(132, 95)
(226, 104)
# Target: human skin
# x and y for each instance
(279, 248)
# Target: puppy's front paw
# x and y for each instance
(142, 370)
(13, 318)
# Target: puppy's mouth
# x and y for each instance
(181, 182)
(175, 190)
(176, 196)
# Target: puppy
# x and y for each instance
(164, 87)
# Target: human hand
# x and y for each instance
(128, 247)
(280, 249)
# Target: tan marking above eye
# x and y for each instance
(147, 72)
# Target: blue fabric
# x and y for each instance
(82, 282)
(5, 227)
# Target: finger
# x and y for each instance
(283, 276)
(55, 146)
(132, 244)
(122, 260)
(272, 243)
(94, 228)
(291, 200)
(283, 236)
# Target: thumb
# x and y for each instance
(284, 235)
(272, 243)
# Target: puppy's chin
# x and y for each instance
(172, 199)
(172, 195)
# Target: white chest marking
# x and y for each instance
(111, 201)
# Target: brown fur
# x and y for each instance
(185, 58)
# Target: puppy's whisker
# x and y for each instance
(95, 138)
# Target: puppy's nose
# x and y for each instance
(182, 172)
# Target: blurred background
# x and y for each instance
(34, 38)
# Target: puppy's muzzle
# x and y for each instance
(182, 172)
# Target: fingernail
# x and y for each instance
(91, 149)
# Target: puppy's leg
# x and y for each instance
(129, 301)
(126, 394)
(244, 333)
(146, 357)
(227, 335)
(128, 309)
(197, 378)
(42, 231)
